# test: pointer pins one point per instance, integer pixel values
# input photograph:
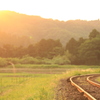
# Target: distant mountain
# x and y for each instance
(21, 29)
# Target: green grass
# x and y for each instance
(98, 79)
(52, 66)
(35, 86)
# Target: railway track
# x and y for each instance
(87, 88)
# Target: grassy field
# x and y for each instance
(33, 87)
(98, 79)
(52, 66)
(30, 86)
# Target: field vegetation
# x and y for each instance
(98, 79)
(25, 86)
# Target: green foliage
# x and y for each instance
(3, 62)
(61, 60)
(85, 51)
(72, 46)
(13, 60)
(89, 51)
(30, 98)
(29, 60)
(44, 48)
(47, 48)
(94, 33)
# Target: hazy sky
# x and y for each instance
(55, 9)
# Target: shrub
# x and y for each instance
(61, 60)
(3, 62)
(14, 60)
(30, 60)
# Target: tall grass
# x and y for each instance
(36, 86)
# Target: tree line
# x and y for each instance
(44, 48)
(80, 52)
(85, 51)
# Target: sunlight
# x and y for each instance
(55, 9)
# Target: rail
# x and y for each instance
(92, 82)
(86, 94)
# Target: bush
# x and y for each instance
(3, 62)
(31, 60)
(61, 60)
(13, 60)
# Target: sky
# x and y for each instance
(56, 9)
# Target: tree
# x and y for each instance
(31, 50)
(56, 51)
(71, 46)
(89, 52)
(94, 33)
(80, 41)
(45, 47)
(20, 51)
(9, 50)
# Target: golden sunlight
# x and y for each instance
(55, 9)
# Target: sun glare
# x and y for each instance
(55, 9)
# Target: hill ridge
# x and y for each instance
(37, 28)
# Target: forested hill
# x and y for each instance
(21, 29)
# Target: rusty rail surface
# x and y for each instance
(92, 82)
(86, 94)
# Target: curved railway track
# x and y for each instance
(88, 89)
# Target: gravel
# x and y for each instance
(65, 91)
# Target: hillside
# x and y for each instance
(21, 29)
